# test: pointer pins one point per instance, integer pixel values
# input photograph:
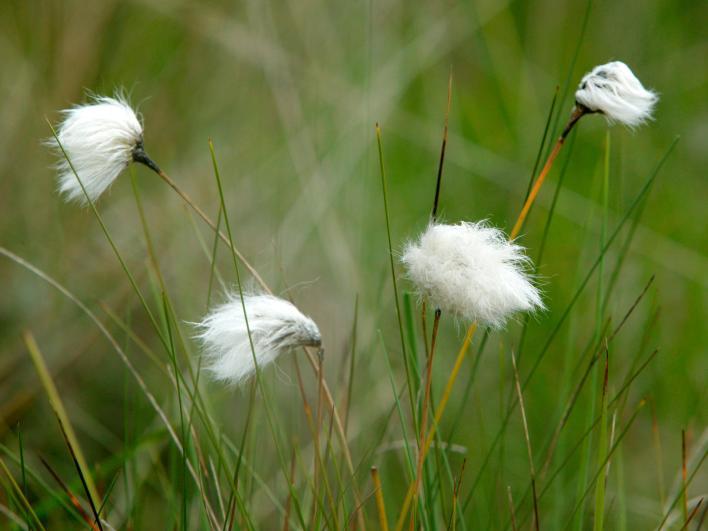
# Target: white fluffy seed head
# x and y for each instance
(99, 139)
(275, 324)
(613, 90)
(472, 271)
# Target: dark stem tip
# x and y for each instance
(139, 155)
(579, 111)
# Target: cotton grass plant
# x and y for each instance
(611, 90)
(470, 272)
(473, 272)
(96, 142)
(445, 264)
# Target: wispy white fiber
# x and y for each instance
(276, 326)
(613, 90)
(99, 138)
(472, 271)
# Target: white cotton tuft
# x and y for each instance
(99, 139)
(472, 271)
(613, 90)
(276, 326)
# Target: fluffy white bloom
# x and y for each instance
(100, 139)
(276, 326)
(472, 271)
(613, 90)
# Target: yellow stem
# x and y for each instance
(438, 416)
(424, 415)
(534, 191)
(378, 493)
(58, 406)
(578, 112)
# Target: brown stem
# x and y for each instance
(578, 112)
(424, 414)
(424, 324)
(209, 222)
(434, 213)
(342, 439)
(438, 416)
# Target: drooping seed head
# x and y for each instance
(275, 324)
(613, 90)
(99, 139)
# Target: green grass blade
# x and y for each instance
(605, 461)
(20, 494)
(384, 192)
(185, 440)
(574, 299)
(599, 307)
(22, 469)
(602, 451)
(269, 415)
(406, 446)
(569, 76)
(58, 407)
(539, 153)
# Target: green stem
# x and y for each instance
(393, 273)
(587, 449)
(269, 414)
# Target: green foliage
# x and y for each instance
(290, 94)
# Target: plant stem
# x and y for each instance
(57, 405)
(578, 112)
(213, 226)
(587, 448)
(683, 477)
(438, 415)
(380, 505)
(434, 213)
(424, 414)
(520, 395)
(598, 524)
(393, 269)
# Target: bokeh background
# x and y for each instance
(290, 92)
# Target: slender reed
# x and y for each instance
(378, 493)
(436, 200)
(514, 527)
(520, 396)
(424, 414)
(58, 406)
(438, 415)
(684, 475)
(577, 114)
(21, 494)
(384, 190)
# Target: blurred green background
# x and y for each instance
(290, 92)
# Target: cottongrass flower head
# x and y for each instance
(613, 90)
(99, 139)
(472, 271)
(276, 326)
